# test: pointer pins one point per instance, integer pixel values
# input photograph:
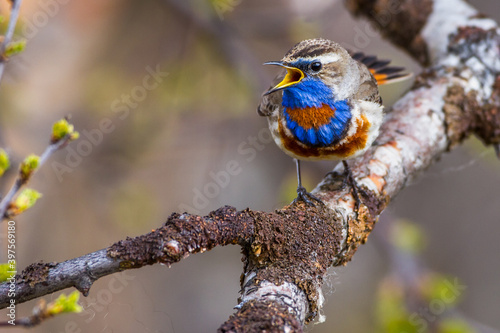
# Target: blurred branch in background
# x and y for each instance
(412, 297)
(7, 38)
(233, 47)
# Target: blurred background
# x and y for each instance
(164, 95)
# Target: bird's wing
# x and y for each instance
(368, 88)
(380, 69)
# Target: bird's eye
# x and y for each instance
(315, 66)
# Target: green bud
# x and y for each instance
(61, 129)
(391, 313)
(4, 161)
(6, 271)
(454, 325)
(435, 286)
(73, 136)
(407, 237)
(14, 48)
(25, 200)
(28, 166)
(65, 304)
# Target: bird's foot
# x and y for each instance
(308, 198)
(349, 179)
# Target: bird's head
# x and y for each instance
(319, 67)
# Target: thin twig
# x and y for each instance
(14, 15)
(43, 311)
(9, 196)
(18, 184)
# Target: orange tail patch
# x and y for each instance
(380, 69)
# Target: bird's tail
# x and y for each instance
(381, 70)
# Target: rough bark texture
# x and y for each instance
(286, 253)
(399, 21)
(182, 235)
(40, 279)
(264, 316)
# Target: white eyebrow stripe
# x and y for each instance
(332, 57)
(325, 59)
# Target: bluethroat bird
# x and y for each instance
(326, 105)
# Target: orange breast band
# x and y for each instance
(311, 117)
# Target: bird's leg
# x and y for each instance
(302, 193)
(354, 186)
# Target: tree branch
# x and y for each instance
(409, 276)
(180, 236)
(287, 253)
(21, 179)
(14, 14)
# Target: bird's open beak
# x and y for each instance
(293, 76)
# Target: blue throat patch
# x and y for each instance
(312, 93)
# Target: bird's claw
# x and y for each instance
(303, 195)
(349, 179)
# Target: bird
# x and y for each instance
(325, 104)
